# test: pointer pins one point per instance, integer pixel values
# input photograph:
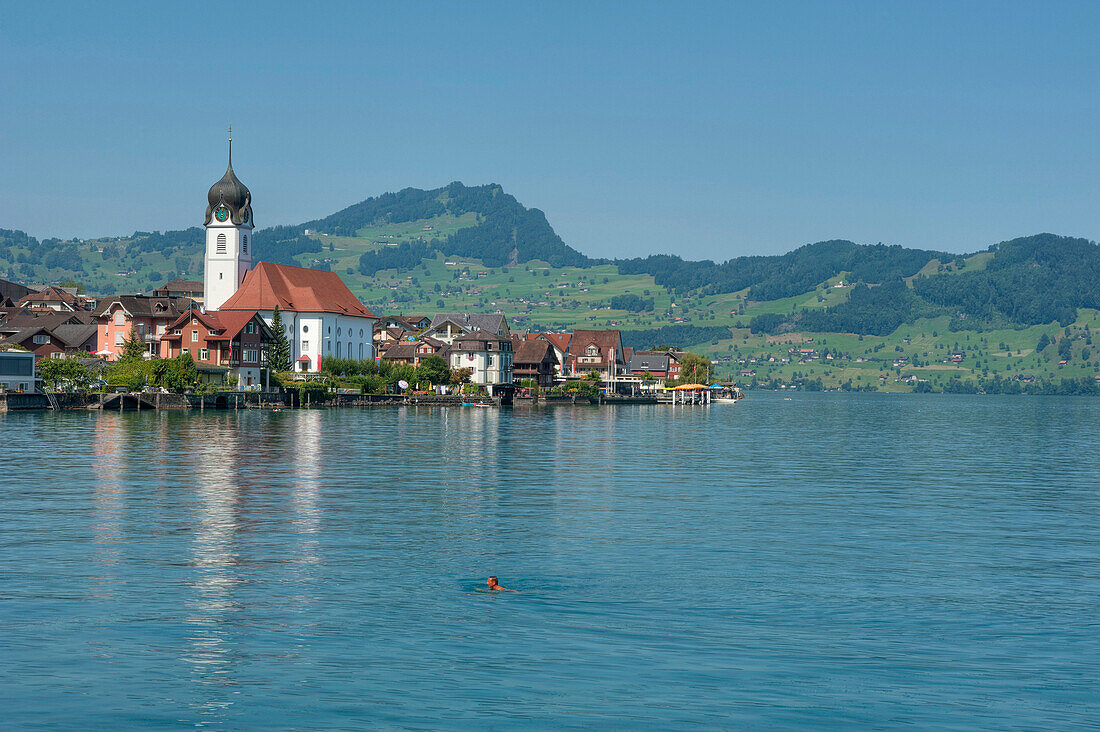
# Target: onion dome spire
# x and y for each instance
(229, 198)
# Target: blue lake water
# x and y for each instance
(817, 560)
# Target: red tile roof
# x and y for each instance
(227, 323)
(560, 341)
(296, 289)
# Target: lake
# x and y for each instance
(789, 561)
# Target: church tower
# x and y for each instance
(228, 237)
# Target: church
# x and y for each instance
(322, 318)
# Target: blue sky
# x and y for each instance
(706, 130)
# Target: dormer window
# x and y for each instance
(592, 351)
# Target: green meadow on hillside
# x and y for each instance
(858, 317)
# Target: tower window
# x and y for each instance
(244, 243)
(221, 244)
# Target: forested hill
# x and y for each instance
(771, 278)
(830, 286)
(505, 231)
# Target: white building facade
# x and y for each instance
(314, 337)
(488, 356)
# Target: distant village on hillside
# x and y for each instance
(248, 319)
(232, 344)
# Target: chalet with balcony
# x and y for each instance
(447, 327)
(534, 359)
(596, 350)
(233, 341)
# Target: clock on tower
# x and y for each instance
(229, 228)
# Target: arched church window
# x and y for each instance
(221, 243)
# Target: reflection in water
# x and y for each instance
(108, 446)
(306, 488)
(211, 652)
(316, 568)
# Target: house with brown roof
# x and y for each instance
(559, 342)
(55, 298)
(596, 350)
(151, 316)
(534, 359)
(51, 333)
(233, 341)
(321, 316)
(180, 288)
(413, 352)
(13, 292)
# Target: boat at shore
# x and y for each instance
(726, 394)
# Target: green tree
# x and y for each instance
(134, 346)
(434, 370)
(1044, 341)
(279, 357)
(64, 373)
(182, 374)
(694, 369)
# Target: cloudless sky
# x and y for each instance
(703, 129)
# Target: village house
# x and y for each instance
(662, 366)
(149, 315)
(391, 329)
(487, 355)
(57, 298)
(232, 342)
(408, 323)
(596, 350)
(413, 352)
(12, 292)
(17, 371)
(51, 333)
(533, 359)
(560, 343)
(180, 288)
(447, 327)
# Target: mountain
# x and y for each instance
(1018, 283)
(505, 231)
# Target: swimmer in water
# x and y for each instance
(494, 585)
